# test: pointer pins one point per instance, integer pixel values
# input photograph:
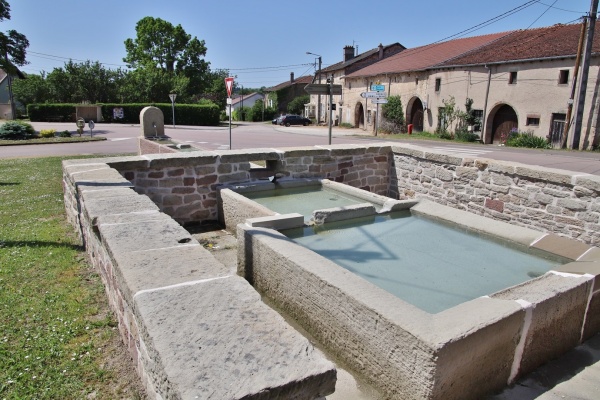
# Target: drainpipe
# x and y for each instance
(487, 94)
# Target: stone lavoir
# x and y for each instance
(129, 212)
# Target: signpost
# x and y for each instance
(378, 88)
(379, 101)
(229, 87)
(327, 89)
(173, 96)
(371, 95)
(91, 125)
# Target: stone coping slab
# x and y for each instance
(148, 270)
(282, 221)
(343, 213)
(218, 340)
(101, 206)
(565, 247)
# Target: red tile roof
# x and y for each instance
(548, 42)
(420, 58)
(301, 80)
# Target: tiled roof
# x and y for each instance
(420, 58)
(301, 80)
(238, 99)
(360, 57)
(553, 41)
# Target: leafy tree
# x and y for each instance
(152, 85)
(33, 89)
(296, 106)
(256, 112)
(85, 81)
(215, 89)
(13, 45)
(446, 117)
(393, 115)
(160, 45)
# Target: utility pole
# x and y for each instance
(584, 74)
(318, 96)
(573, 84)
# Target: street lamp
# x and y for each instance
(173, 96)
(318, 96)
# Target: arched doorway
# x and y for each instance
(505, 119)
(359, 116)
(416, 115)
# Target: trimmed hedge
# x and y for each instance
(51, 112)
(185, 114)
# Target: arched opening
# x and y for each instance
(414, 112)
(359, 116)
(504, 119)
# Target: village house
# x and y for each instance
(281, 95)
(318, 106)
(517, 80)
(246, 100)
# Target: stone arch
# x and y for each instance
(501, 119)
(414, 114)
(359, 116)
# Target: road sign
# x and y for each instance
(229, 85)
(379, 101)
(377, 88)
(372, 95)
(323, 88)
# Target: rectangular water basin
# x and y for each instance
(462, 351)
(432, 265)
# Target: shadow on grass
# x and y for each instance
(9, 183)
(37, 244)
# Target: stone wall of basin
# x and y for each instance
(551, 200)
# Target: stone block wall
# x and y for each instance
(554, 201)
(184, 185)
(151, 147)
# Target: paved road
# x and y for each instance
(123, 139)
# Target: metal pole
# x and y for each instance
(585, 69)
(173, 107)
(230, 125)
(330, 105)
(319, 98)
(376, 118)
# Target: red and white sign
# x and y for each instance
(229, 85)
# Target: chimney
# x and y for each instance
(380, 51)
(291, 77)
(348, 53)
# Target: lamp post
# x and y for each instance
(173, 96)
(318, 96)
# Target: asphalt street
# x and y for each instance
(123, 139)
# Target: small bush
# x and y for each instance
(64, 133)
(48, 133)
(443, 134)
(466, 136)
(526, 139)
(16, 130)
(346, 125)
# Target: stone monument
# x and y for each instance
(152, 122)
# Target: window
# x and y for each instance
(533, 121)
(512, 79)
(416, 81)
(438, 84)
(563, 77)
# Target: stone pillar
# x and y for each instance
(152, 122)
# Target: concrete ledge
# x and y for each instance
(562, 246)
(508, 232)
(218, 340)
(557, 307)
(235, 209)
(343, 213)
(277, 222)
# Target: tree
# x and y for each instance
(85, 81)
(33, 89)
(161, 46)
(393, 115)
(296, 106)
(13, 45)
(153, 85)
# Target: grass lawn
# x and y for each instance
(58, 338)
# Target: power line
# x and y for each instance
(562, 9)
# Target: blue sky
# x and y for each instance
(262, 41)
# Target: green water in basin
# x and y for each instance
(431, 265)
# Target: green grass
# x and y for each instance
(52, 140)
(58, 339)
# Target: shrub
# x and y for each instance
(48, 133)
(463, 135)
(51, 112)
(64, 133)
(526, 139)
(346, 125)
(16, 130)
(393, 115)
